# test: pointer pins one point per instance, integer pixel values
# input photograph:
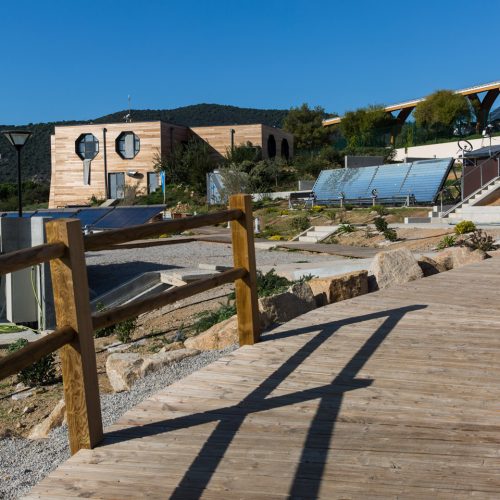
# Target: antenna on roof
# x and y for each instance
(128, 116)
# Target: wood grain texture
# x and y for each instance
(109, 239)
(20, 259)
(78, 361)
(389, 395)
(17, 361)
(244, 256)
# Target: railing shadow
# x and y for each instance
(309, 473)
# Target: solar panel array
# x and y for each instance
(420, 179)
(99, 218)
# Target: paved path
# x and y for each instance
(390, 395)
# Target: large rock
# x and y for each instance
(161, 359)
(123, 369)
(341, 287)
(297, 300)
(395, 267)
(430, 266)
(451, 258)
(55, 419)
(219, 336)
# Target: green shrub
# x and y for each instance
(271, 284)
(345, 228)
(479, 240)
(381, 210)
(448, 241)
(300, 223)
(42, 372)
(125, 329)
(465, 226)
(207, 319)
(380, 224)
(390, 234)
(106, 331)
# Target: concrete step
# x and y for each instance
(308, 239)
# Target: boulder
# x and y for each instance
(297, 300)
(430, 266)
(219, 336)
(455, 257)
(123, 369)
(161, 359)
(341, 287)
(55, 419)
(395, 267)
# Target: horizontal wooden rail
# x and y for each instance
(152, 243)
(20, 259)
(17, 361)
(132, 310)
(109, 239)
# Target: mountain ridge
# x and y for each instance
(36, 153)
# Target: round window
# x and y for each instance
(87, 146)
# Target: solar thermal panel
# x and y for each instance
(90, 216)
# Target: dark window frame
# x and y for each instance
(121, 139)
(85, 152)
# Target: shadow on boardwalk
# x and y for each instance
(310, 469)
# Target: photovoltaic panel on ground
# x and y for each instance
(121, 217)
(56, 214)
(421, 179)
(90, 216)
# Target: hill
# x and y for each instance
(36, 154)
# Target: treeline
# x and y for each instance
(36, 153)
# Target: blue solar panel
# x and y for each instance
(422, 179)
(56, 214)
(128, 216)
(15, 214)
(89, 216)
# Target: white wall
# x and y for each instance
(442, 150)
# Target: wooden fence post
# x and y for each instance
(72, 306)
(244, 256)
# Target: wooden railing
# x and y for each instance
(65, 249)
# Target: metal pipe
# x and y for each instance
(105, 158)
(19, 189)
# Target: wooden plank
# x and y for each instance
(78, 361)
(17, 361)
(21, 259)
(244, 256)
(109, 239)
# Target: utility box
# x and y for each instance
(26, 295)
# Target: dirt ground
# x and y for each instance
(154, 330)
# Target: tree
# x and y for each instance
(443, 111)
(306, 124)
(367, 126)
(244, 152)
(188, 163)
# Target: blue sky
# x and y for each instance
(64, 60)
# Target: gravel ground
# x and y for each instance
(108, 269)
(24, 462)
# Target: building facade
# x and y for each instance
(109, 161)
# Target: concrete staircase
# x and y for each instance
(315, 234)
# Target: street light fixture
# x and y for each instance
(18, 139)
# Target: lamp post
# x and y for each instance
(18, 139)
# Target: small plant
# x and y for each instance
(271, 284)
(345, 228)
(316, 209)
(301, 223)
(390, 234)
(465, 226)
(285, 212)
(331, 214)
(381, 210)
(381, 224)
(480, 240)
(276, 237)
(124, 329)
(42, 372)
(448, 241)
(207, 319)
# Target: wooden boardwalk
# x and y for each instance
(390, 395)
